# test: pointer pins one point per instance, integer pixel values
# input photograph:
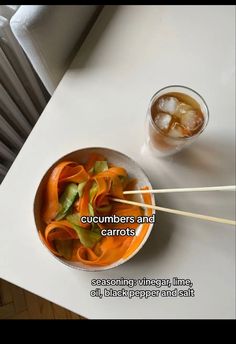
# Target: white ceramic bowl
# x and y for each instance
(81, 156)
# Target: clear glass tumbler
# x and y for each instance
(176, 116)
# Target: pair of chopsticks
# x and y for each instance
(180, 212)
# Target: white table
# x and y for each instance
(102, 100)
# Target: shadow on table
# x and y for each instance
(213, 155)
(101, 24)
(207, 160)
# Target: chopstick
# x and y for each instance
(208, 188)
(178, 212)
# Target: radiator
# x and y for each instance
(22, 95)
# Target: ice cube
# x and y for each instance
(162, 120)
(177, 131)
(168, 104)
(183, 108)
(191, 120)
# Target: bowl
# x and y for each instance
(81, 156)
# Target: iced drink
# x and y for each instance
(176, 116)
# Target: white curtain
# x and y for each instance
(22, 95)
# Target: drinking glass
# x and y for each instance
(160, 143)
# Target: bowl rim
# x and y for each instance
(121, 260)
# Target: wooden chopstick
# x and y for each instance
(208, 188)
(178, 212)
